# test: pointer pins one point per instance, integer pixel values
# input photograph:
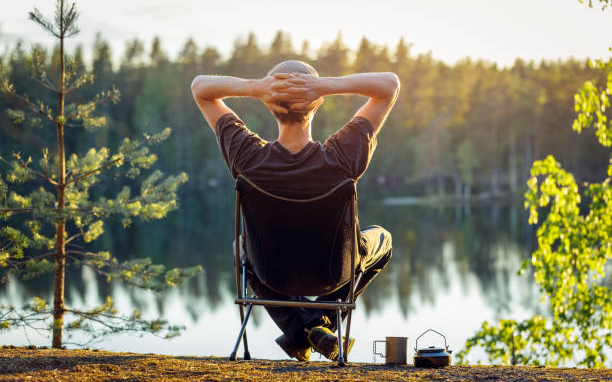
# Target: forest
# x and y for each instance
(470, 128)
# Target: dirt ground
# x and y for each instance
(38, 364)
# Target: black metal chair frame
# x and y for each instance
(243, 300)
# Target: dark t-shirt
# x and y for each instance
(312, 171)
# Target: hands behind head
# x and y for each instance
(297, 91)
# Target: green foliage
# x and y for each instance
(603, 3)
(571, 264)
(19, 171)
(56, 197)
(591, 104)
(507, 114)
(141, 273)
(64, 23)
(3, 189)
(83, 113)
(573, 259)
(15, 242)
(527, 342)
(100, 322)
(103, 321)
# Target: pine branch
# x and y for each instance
(18, 319)
(47, 178)
(100, 168)
(73, 237)
(47, 85)
(112, 324)
(38, 17)
(64, 19)
(22, 210)
(90, 207)
(103, 97)
(43, 175)
(140, 273)
(32, 317)
(92, 315)
(11, 264)
(33, 106)
(38, 71)
(72, 257)
(43, 256)
(84, 79)
(36, 258)
(5, 314)
(90, 255)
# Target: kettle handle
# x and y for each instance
(429, 330)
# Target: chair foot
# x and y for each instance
(232, 357)
(339, 325)
(242, 335)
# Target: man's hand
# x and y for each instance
(304, 90)
(381, 89)
(282, 87)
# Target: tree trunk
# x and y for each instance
(513, 165)
(495, 179)
(458, 185)
(467, 195)
(440, 184)
(497, 154)
(467, 191)
(60, 251)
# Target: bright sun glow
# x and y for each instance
(498, 30)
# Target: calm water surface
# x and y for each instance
(452, 268)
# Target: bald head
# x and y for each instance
(289, 67)
(293, 66)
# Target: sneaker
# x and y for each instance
(325, 342)
(293, 352)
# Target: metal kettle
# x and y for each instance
(432, 356)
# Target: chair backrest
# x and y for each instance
(299, 246)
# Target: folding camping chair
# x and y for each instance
(297, 247)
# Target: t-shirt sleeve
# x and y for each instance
(354, 145)
(239, 145)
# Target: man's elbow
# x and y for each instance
(195, 85)
(393, 84)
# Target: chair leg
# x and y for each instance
(242, 335)
(339, 324)
(347, 333)
(247, 355)
(348, 323)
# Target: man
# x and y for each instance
(297, 167)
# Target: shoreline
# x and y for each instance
(450, 199)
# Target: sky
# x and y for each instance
(494, 30)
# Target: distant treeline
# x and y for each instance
(460, 129)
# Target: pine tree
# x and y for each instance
(65, 207)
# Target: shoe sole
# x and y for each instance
(292, 354)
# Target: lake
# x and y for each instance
(453, 267)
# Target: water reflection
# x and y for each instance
(448, 261)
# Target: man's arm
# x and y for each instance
(209, 91)
(381, 89)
